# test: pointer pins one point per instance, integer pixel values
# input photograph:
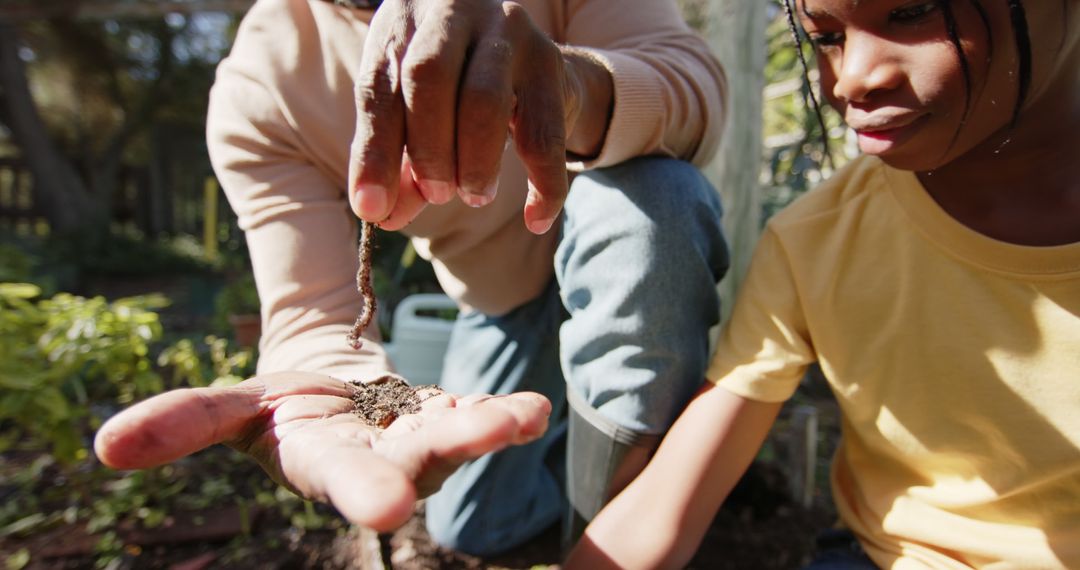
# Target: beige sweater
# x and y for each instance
(281, 120)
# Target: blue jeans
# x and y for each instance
(838, 549)
(624, 325)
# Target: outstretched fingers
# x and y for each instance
(178, 423)
(332, 460)
(430, 445)
(524, 415)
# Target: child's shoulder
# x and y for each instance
(847, 190)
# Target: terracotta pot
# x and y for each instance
(246, 329)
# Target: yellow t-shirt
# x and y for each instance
(955, 359)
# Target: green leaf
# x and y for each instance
(53, 401)
(19, 290)
(23, 526)
(19, 560)
(20, 379)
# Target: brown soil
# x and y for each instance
(387, 398)
(759, 527)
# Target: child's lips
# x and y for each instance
(881, 137)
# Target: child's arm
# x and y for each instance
(660, 518)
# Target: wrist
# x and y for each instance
(589, 95)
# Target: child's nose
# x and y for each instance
(867, 66)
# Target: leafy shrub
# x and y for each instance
(207, 364)
(60, 354)
(128, 254)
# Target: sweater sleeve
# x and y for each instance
(300, 234)
(669, 88)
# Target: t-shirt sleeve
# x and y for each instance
(300, 233)
(669, 88)
(765, 346)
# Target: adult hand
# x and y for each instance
(298, 426)
(441, 86)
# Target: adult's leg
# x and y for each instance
(638, 263)
(838, 549)
(502, 500)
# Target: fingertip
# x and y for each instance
(124, 440)
(104, 441)
(370, 202)
(540, 226)
(540, 211)
(539, 400)
(380, 497)
(531, 411)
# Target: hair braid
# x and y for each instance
(794, 29)
(1023, 53)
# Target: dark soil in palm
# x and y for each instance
(385, 399)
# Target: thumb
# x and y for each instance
(178, 423)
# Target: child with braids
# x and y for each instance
(935, 279)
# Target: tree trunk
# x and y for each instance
(736, 32)
(59, 193)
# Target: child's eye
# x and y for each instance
(826, 39)
(913, 13)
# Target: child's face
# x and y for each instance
(890, 68)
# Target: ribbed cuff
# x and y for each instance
(634, 119)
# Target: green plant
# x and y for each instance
(794, 154)
(15, 265)
(238, 297)
(209, 363)
(60, 354)
(128, 253)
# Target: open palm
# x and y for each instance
(298, 426)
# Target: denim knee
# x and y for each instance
(501, 500)
(638, 262)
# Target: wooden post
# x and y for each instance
(735, 29)
(210, 211)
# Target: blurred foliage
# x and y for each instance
(795, 156)
(65, 359)
(209, 363)
(91, 78)
(127, 253)
(124, 104)
(796, 153)
(238, 297)
(66, 363)
(60, 354)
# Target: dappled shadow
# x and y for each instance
(986, 418)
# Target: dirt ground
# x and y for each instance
(758, 528)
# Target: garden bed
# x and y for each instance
(218, 510)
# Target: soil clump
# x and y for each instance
(387, 398)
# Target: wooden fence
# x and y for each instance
(144, 200)
(18, 211)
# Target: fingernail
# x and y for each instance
(436, 191)
(475, 200)
(541, 226)
(370, 201)
(481, 199)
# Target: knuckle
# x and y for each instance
(374, 91)
(421, 72)
(544, 143)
